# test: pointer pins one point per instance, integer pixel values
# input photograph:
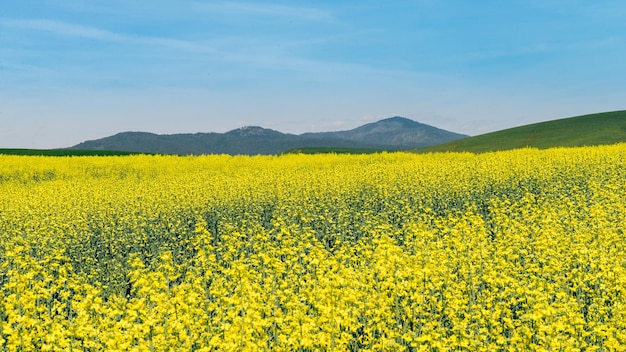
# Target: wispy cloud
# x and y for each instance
(271, 10)
(537, 49)
(600, 10)
(257, 60)
(88, 32)
(62, 28)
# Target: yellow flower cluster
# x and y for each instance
(518, 250)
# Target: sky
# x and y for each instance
(76, 70)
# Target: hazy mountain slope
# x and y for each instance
(397, 132)
(393, 133)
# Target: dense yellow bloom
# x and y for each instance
(517, 250)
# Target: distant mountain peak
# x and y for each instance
(254, 131)
(400, 121)
(396, 119)
(396, 124)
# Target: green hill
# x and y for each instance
(585, 130)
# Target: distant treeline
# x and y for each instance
(63, 152)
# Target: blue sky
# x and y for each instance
(74, 70)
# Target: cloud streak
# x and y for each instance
(267, 10)
(322, 69)
(93, 33)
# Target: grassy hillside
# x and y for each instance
(594, 129)
(61, 152)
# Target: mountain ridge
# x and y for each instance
(394, 133)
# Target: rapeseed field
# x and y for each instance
(521, 250)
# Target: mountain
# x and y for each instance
(584, 130)
(394, 133)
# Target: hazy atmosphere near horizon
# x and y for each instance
(74, 70)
